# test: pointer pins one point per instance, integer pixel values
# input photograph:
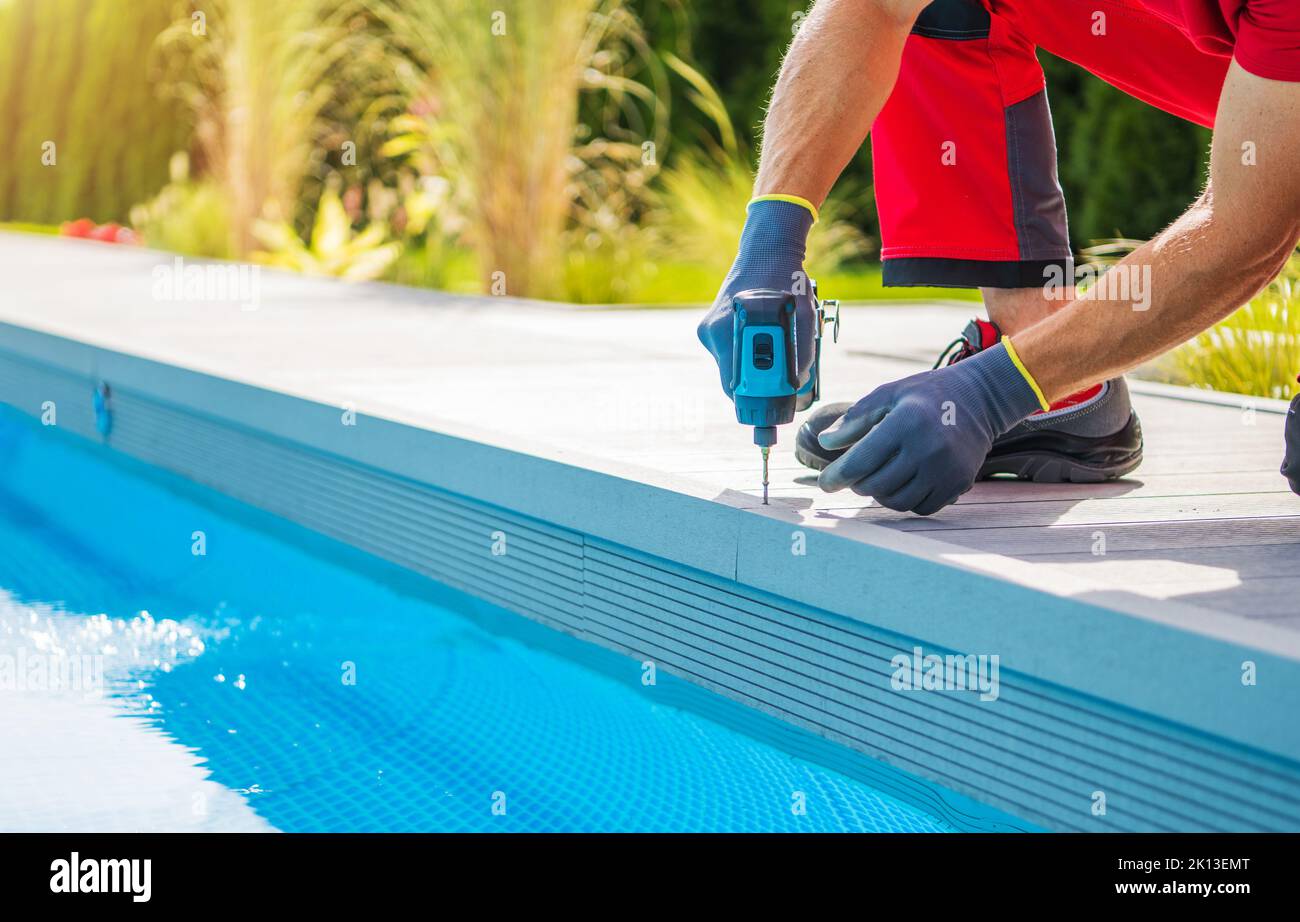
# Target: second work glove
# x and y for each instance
(771, 255)
(917, 444)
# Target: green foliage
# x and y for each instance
(22, 227)
(432, 99)
(420, 211)
(739, 48)
(76, 73)
(185, 216)
(333, 249)
(256, 77)
(608, 270)
(538, 114)
(685, 245)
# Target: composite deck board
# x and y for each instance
(634, 388)
(1165, 538)
(1045, 513)
(800, 482)
(1266, 561)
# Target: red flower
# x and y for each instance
(106, 233)
(82, 227)
(111, 232)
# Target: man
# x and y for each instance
(966, 185)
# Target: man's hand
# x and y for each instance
(920, 441)
(771, 256)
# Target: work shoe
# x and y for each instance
(1290, 461)
(1088, 437)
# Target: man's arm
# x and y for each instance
(1230, 244)
(839, 72)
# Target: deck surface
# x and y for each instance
(1205, 530)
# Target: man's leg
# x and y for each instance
(966, 187)
(1015, 309)
(965, 159)
(1124, 44)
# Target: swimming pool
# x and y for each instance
(238, 675)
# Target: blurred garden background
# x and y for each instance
(596, 151)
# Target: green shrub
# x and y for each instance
(76, 73)
(256, 77)
(186, 216)
(333, 248)
(537, 113)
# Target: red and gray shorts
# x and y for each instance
(964, 153)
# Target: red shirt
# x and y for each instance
(1263, 35)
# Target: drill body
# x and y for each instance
(767, 384)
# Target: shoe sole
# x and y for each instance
(1038, 466)
(1087, 461)
(1049, 468)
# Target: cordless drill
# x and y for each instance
(765, 380)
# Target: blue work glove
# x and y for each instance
(918, 444)
(771, 256)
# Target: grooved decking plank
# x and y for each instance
(1012, 491)
(1147, 537)
(1266, 561)
(1239, 506)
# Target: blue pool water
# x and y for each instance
(227, 699)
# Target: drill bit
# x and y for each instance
(765, 451)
